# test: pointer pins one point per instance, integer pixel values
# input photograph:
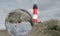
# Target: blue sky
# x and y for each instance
(47, 9)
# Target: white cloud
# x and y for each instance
(20, 1)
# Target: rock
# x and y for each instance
(19, 15)
(19, 22)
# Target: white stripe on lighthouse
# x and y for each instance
(35, 16)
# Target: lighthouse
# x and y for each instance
(35, 16)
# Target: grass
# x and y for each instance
(4, 33)
(46, 28)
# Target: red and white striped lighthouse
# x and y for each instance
(35, 16)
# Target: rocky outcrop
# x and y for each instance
(19, 22)
(19, 15)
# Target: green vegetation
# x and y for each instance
(48, 28)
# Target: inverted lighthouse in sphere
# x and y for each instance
(35, 16)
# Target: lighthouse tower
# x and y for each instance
(35, 16)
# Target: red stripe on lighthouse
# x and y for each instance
(35, 11)
(35, 18)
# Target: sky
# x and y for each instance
(47, 9)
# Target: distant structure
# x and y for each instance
(35, 16)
